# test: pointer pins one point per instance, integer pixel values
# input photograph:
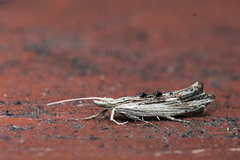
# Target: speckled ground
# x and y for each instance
(53, 50)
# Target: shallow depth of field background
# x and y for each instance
(54, 50)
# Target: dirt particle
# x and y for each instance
(9, 113)
(188, 133)
(93, 138)
(17, 103)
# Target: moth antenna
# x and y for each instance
(75, 99)
(84, 105)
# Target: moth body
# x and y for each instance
(191, 100)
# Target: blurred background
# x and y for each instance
(53, 50)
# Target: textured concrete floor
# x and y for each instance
(53, 50)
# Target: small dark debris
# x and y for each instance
(94, 138)
(168, 134)
(9, 114)
(166, 146)
(189, 132)
(201, 132)
(17, 103)
(2, 102)
(234, 136)
(104, 128)
(40, 107)
(213, 135)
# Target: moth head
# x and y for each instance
(103, 103)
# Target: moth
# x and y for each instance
(191, 100)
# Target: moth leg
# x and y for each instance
(137, 118)
(93, 116)
(175, 119)
(158, 118)
(111, 118)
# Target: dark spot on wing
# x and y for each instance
(142, 95)
(157, 94)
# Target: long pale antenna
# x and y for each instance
(75, 99)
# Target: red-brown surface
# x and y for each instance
(53, 50)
